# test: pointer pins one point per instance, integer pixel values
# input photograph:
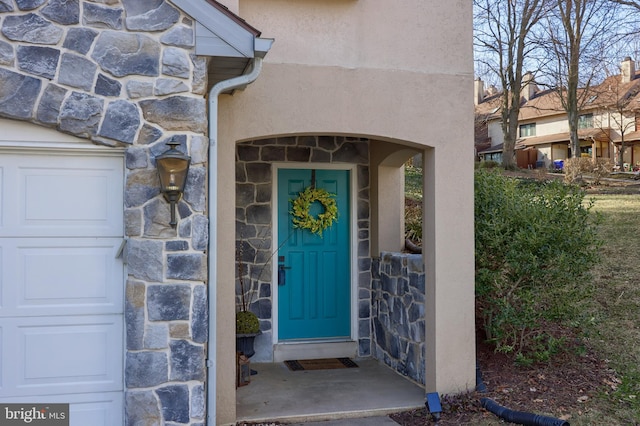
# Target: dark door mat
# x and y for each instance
(320, 364)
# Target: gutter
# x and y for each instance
(262, 47)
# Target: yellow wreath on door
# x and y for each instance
(302, 217)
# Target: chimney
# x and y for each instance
(529, 88)
(628, 69)
(478, 88)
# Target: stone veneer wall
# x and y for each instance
(398, 313)
(123, 73)
(254, 221)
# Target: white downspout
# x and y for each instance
(215, 91)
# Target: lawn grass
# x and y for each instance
(615, 312)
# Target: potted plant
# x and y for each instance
(247, 323)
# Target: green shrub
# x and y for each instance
(535, 243)
(247, 323)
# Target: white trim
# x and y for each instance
(353, 237)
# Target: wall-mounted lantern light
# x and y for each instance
(173, 167)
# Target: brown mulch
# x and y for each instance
(556, 389)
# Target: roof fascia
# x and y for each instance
(219, 32)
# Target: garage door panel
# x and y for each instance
(61, 284)
(103, 409)
(62, 355)
(61, 195)
(60, 276)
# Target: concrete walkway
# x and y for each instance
(334, 397)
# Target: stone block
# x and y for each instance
(245, 194)
(176, 113)
(139, 89)
(263, 193)
(77, 71)
(144, 259)
(50, 104)
(136, 158)
(168, 302)
(142, 408)
(31, 28)
(199, 315)
(18, 95)
(297, 153)
(174, 400)
(169, 86)
(190, 267)
(142, 185)
(6, 6)
(320, 156)
(258, 172)
(79, 39)
(249, 153)
(176, 63)
(80, 114)
(123, 54)
(121, 121)
(176, 245)
(352, 152)
(134, 315)
(38, 60)
(133, 222)
(199, 78)
(156, 336)
(7, 56)
(199, 232)
(364, 309)
(259, 214)
(149, 134)
(179, 36)
(29, 4)
(106, 86)
(102, 17)
(138, 373)
(198, 402)
(179, 330)
(187, 361)
(273, 153)
(199, 149)
(195, 189)
(65, 12)
(150, 16)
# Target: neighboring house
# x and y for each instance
(607, 120)
(108, 307)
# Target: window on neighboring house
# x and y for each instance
(585, 121)
(527, 130)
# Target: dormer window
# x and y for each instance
(527, 130)
(585, 121)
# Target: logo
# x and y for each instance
(34, 414)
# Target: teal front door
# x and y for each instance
(314, 295)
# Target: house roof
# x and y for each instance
(583, 134)
(492, 149)
(548, 103)
(224, 35)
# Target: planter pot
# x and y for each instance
(244, 343)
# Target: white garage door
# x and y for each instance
(61, 285)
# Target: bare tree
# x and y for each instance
(503, 36)
(632, 3)
(579, 34)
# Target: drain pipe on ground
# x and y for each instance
(215, 91)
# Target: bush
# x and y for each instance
(574, 168)
(535, 244)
